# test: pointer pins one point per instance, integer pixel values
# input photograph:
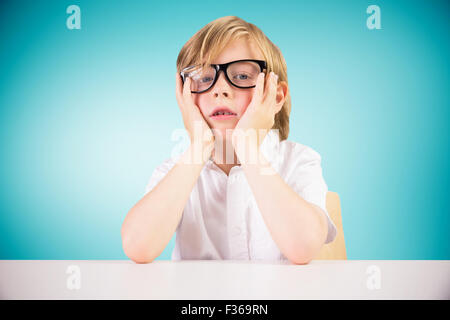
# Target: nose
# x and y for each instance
(221, 87)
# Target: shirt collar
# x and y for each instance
(269, 148)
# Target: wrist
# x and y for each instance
(247, 151)
(198, 153)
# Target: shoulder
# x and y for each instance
(159, 173)
(167, 164)
(298, 154)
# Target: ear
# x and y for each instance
(282, 92)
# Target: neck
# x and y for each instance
(223, 155)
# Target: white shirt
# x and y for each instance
(221, 219)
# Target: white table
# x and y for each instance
(224, 279)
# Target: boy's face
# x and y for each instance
(223, 94)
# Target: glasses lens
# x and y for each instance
(202, 78)
(244, 73)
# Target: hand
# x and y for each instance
(199, 131)
(260, 113)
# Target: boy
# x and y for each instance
(223, 204)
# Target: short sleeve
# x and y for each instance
(158, 174)
(307, 180)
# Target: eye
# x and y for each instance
(206, 79)
(241, 76)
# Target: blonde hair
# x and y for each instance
(208, 42)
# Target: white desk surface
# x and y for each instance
(225, 279)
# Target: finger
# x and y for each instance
(187, 91)
(259, 89)
(188, 98)
(268, 84)
(272, 92)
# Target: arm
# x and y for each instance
(298, 227)
(150, 223)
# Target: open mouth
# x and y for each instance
(223, 113)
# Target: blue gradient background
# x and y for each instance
(86, 115)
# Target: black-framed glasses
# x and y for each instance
(240, 73)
